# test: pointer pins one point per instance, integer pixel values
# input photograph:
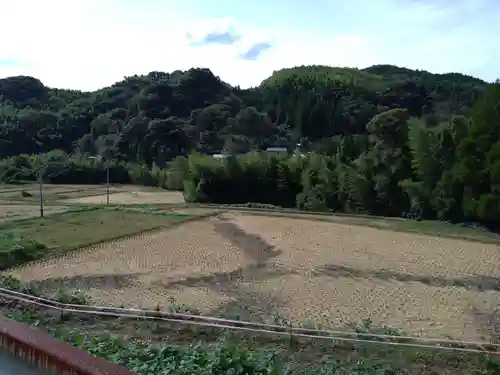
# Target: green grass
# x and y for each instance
(59, 233)
(14, 249)
(76, 229)
(442, 229)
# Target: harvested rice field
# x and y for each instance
(14, 191)
(260, 268)
(88, 194)
(131, 197)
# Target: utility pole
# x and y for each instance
(100, 158)
(40, 182)
(47, 170)
(107, 183)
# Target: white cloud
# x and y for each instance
(98, 42)
(87, 44)
(226, 31)
(84, 43)
(214, 31)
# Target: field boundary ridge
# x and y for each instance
(334, 217)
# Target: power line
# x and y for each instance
(239, 322)
(252, 327)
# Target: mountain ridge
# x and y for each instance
(378, 70)
(205, 113)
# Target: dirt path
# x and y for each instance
(259, 267)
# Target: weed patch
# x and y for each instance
(14, 249)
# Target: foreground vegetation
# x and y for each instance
(156, 347)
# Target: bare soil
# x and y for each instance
(257, 267)
(34, 189)
(91, 194)
(134, 196)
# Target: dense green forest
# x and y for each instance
(382, 140)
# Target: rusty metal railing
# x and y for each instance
(50, 354)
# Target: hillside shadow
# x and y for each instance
(252, 245)
(245, 303)
(249, 306)
(251, 273)
(106, 282)
(486, 318)
(488, 323)
(478, 283)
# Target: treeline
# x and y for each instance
(57, 167)
(449, 172)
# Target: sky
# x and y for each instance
(89, 44)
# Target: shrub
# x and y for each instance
(14, 249)
(71, 297)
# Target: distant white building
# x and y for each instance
(220, 156)
(276, 149)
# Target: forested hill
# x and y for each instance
(155, 117)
